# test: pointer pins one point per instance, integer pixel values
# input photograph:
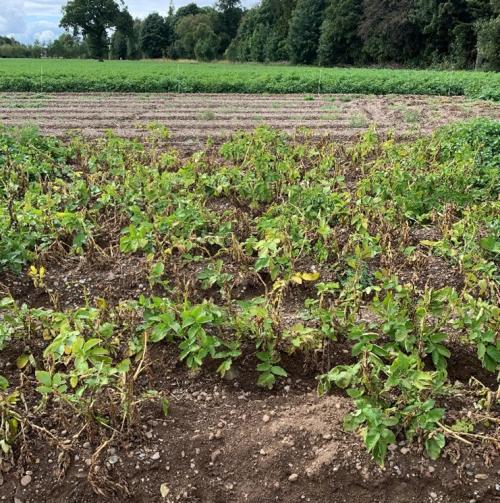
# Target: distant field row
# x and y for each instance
(193, 118)
(158, 76)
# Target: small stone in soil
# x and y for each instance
(113, 459)
(293, 477)
(215, 455)
(25, 480)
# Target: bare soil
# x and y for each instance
(226, 440)
(193, 118)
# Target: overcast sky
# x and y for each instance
(27, 20)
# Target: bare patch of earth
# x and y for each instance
(225, 441)
(194, 118)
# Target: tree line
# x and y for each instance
(450, 33)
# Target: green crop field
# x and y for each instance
(51, 75)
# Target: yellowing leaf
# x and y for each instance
(300, 277)
(22, 361)
(101, 303)
(278, 284)
(428, 243)
(73, 380)
(310, 276)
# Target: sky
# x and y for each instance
(30, 20)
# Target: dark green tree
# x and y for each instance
(229, 14)
(304, 33)
(134, 40)
(155, 36)
(278, 14)
(207, 47)
(488, 39)
(8, 41)
(119, 46)
(263, 33)
(170, 25)
(11, 48)
(176, 48)
(193, 31)
(240, 48)
(191, 9)
(258, 43)
(92, 19)
(121, 38)
(390, 32)
(339, 41)
(67, 46)
(449, 28)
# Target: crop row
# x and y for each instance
(131, 76)
(227, 238)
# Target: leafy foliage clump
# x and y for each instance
(147, 76)
(226, 238)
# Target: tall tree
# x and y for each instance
(339, 41)
(92, 18)
(240, 48)
(304, 33)
(155, 36)
(277, 15)
(119, 46)
(134, 40)
(449, 29)
(190, 9)
(229, 13)
(67, 46)
(194, 34)
(389, 31)
(121, 38)
(170, 25)
(488, 39)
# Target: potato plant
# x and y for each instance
(225, 239)
(149, 76)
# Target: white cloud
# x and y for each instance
(43, 7)
(44, 36)
(12, 17)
